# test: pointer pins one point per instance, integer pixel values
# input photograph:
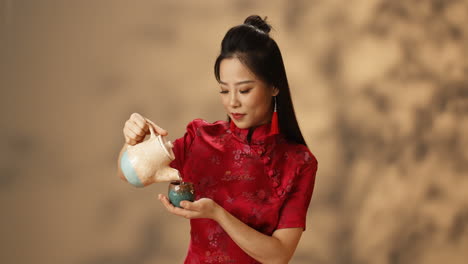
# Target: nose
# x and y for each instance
(233, 100)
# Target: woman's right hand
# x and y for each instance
(137, 127)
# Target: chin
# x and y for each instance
(242, 126)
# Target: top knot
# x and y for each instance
(258, 23)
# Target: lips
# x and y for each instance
(237, 116)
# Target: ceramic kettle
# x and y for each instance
(148, 162)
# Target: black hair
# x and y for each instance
(252, 45)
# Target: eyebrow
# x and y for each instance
(238, 83)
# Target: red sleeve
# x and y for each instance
(294, 210)
(182, 145)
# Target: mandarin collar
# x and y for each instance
(260, 134)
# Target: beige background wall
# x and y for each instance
(381, 93)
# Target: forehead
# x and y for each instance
(232, 69)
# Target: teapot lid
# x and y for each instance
(167, 146)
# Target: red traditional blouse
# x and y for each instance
(266, 182)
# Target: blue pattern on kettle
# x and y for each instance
(129, 172)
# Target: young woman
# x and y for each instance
(253, 174)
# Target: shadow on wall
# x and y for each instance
(402, 123)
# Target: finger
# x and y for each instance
(132, 135)
(132, 142)
(175, 210)
(128, 139)
(165, 201)
(138, 120)
(136, 117)
(138, 129)
(169, 207)
(188, 205)
(157, 128)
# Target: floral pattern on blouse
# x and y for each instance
(266, 182)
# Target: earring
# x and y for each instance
(274, 129)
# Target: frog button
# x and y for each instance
(275, 184)
(280, 192)
(266, 160)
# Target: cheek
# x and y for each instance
(224, 101)
(260, 103)
(255, 100)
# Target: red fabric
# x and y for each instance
(267, 183)
(274, 124)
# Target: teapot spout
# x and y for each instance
(167, 174)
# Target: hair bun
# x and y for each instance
(259, 23)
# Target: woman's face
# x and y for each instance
(246, 98)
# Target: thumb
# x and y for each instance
(188, 205)
(156, 128)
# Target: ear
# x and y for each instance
(275, 91)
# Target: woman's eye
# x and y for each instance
(245, 91)
(224, 91)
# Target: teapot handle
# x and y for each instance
(153, 134)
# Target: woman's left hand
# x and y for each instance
(203, 208)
